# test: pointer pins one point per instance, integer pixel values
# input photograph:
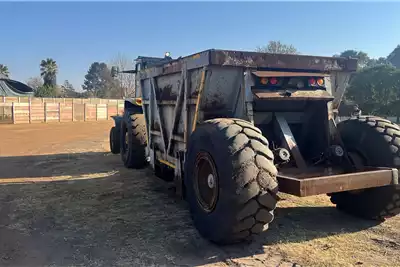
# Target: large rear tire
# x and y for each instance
(114, 141)
(230, 180)
(376, 142)
(134, 142)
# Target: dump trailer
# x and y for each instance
(231, 129)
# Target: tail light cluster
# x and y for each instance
(312, 82)
(269, 81)
(319, 82)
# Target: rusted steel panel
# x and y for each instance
(261, 73)
(194, 61)
(266, 60)
(294, 95)
(251, 60)
(220, 94)
(303, 187)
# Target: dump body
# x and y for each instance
(228, 63)
(178, 94)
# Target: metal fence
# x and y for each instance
(32, 110)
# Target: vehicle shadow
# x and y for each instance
(72, 164)
(131, 218)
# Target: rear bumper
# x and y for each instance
(302, 187)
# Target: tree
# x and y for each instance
(68, 86)
(68, 90)
(34, 82)
(46, 91)
(4, 71)
(375, 90)
(363, 58)
(277, 47)
(126, 80)
(48, 71)
(394, 57)
(379, 61)
(99, 82)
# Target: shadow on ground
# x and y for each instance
(72, 164)
(130, 218)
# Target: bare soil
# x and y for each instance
(66, 201)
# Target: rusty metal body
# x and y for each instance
(178, 94)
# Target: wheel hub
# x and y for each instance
(205, 182)
(211, 181)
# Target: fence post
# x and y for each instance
(4, 99)
(45, 111)
(30, 109)
(97, 111)
(13, 112)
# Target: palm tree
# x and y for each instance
(4, 70)
(48, 71)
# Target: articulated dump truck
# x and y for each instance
(231, 129)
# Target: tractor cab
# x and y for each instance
(143, 63)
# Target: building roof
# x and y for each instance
(10, 87)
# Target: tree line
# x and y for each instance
(99, 81)
(375, 87)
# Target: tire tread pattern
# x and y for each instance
(255, 176)
(390, 132)
(114, 141)
(136, 157)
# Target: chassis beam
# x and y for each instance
(302, 187)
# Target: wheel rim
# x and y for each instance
(206, 182)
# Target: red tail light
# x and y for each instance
(273, 81)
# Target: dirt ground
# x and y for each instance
(66, 201)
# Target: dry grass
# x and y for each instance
(81, 207)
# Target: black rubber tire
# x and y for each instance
(134, 156)
(246, 179)
(114, 141)
(377, 141)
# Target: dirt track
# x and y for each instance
(66, 201)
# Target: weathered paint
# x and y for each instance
(281, 61)
(309, 186)
(179, 93)
(246, 59)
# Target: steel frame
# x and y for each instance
(297, 186)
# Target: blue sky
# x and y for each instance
(76, 34)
